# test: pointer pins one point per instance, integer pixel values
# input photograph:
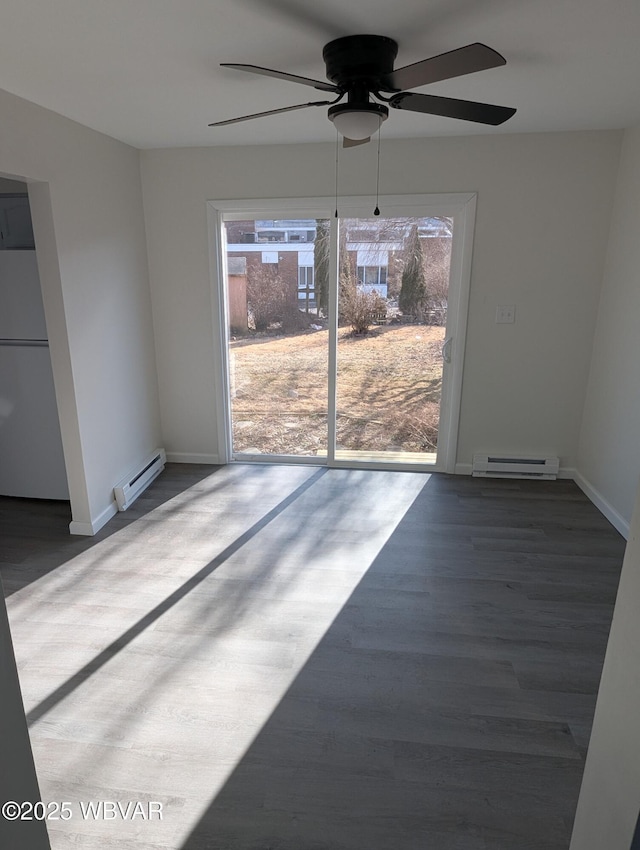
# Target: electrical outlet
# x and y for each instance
(505, 314)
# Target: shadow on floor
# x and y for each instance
(445, 707)
(152, 616)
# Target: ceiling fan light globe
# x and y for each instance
(358, 123)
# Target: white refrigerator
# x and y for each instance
(31, 458)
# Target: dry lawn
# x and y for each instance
(389, 385)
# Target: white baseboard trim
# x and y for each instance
(463, 468)
(191, 457)
(88, 529)
(567, 472)
(617, 521)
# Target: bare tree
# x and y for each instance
(418, 250)
(346, 278)
(355, 307)
(395, 232)
(437, 262)
(321, 260)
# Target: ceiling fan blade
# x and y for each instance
(352, 143)
(455, 63)
(465, 110)
(282, 75)
(269, 112)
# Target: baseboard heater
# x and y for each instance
(128, 490)
(504, 466)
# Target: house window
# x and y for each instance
(269, 256)
(372, 275)
(305, 277)
(306, 288)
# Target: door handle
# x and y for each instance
(446, 349)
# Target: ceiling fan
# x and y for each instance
(361, 67)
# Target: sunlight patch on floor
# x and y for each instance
(201, 676)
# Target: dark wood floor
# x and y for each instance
(295, 658)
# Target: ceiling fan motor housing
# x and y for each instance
(360, 59)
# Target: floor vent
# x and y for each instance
(128, 490)
(503, 466)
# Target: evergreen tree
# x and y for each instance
(414, 284)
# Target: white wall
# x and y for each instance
(609, 799)
(86, 204)
(609, 453)
(543, 217)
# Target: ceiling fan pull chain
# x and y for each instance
(377, 209)
(337, 153)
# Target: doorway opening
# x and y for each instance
(32, 463)
(338, 335)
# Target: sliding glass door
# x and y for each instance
(392, 312)
(341, 338)
(277, 339)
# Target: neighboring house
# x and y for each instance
(375, 254)
(293, 256)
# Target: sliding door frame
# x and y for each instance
(460, 207)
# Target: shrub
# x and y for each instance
(267, 296)
(292, 318)
(360, 309)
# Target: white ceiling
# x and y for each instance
(147, 71)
